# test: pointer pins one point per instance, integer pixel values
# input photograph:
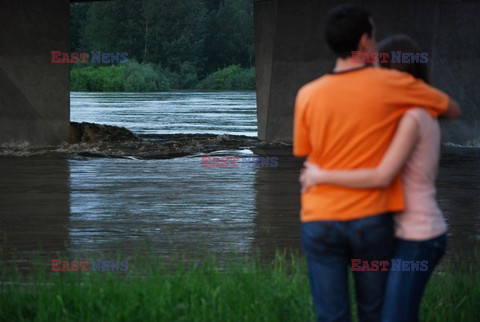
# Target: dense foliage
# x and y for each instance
(171, 44)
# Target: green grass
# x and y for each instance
(453, 295)
(240, 290)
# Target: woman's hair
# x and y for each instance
(405, 44)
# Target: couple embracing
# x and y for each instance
(372, 142)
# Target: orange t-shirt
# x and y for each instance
(346, 121)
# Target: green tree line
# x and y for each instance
(171, 44)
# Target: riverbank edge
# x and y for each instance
(108, 141)
(101, 140)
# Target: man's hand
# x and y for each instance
(310, 175)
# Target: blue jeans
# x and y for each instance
(329, 246)
(405, 288)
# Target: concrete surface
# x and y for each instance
(34, 93)
(291, 51)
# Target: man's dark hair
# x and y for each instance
(404, 44)
(345, 25)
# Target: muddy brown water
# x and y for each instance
(65, 202)
(173, 207)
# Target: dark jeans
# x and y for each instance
(405, 288)
(330, 246)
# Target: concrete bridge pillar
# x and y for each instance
(291, 51)
(34, 93)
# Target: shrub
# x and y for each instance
(130, 77)
(135, 77)
(144, 78)
(232, 77)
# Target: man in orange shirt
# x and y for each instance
(346, 120)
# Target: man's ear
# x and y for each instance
(363, 43)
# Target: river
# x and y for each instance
(79, 205)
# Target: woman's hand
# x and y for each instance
(310, 175)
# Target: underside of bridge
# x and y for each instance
(290, 51)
